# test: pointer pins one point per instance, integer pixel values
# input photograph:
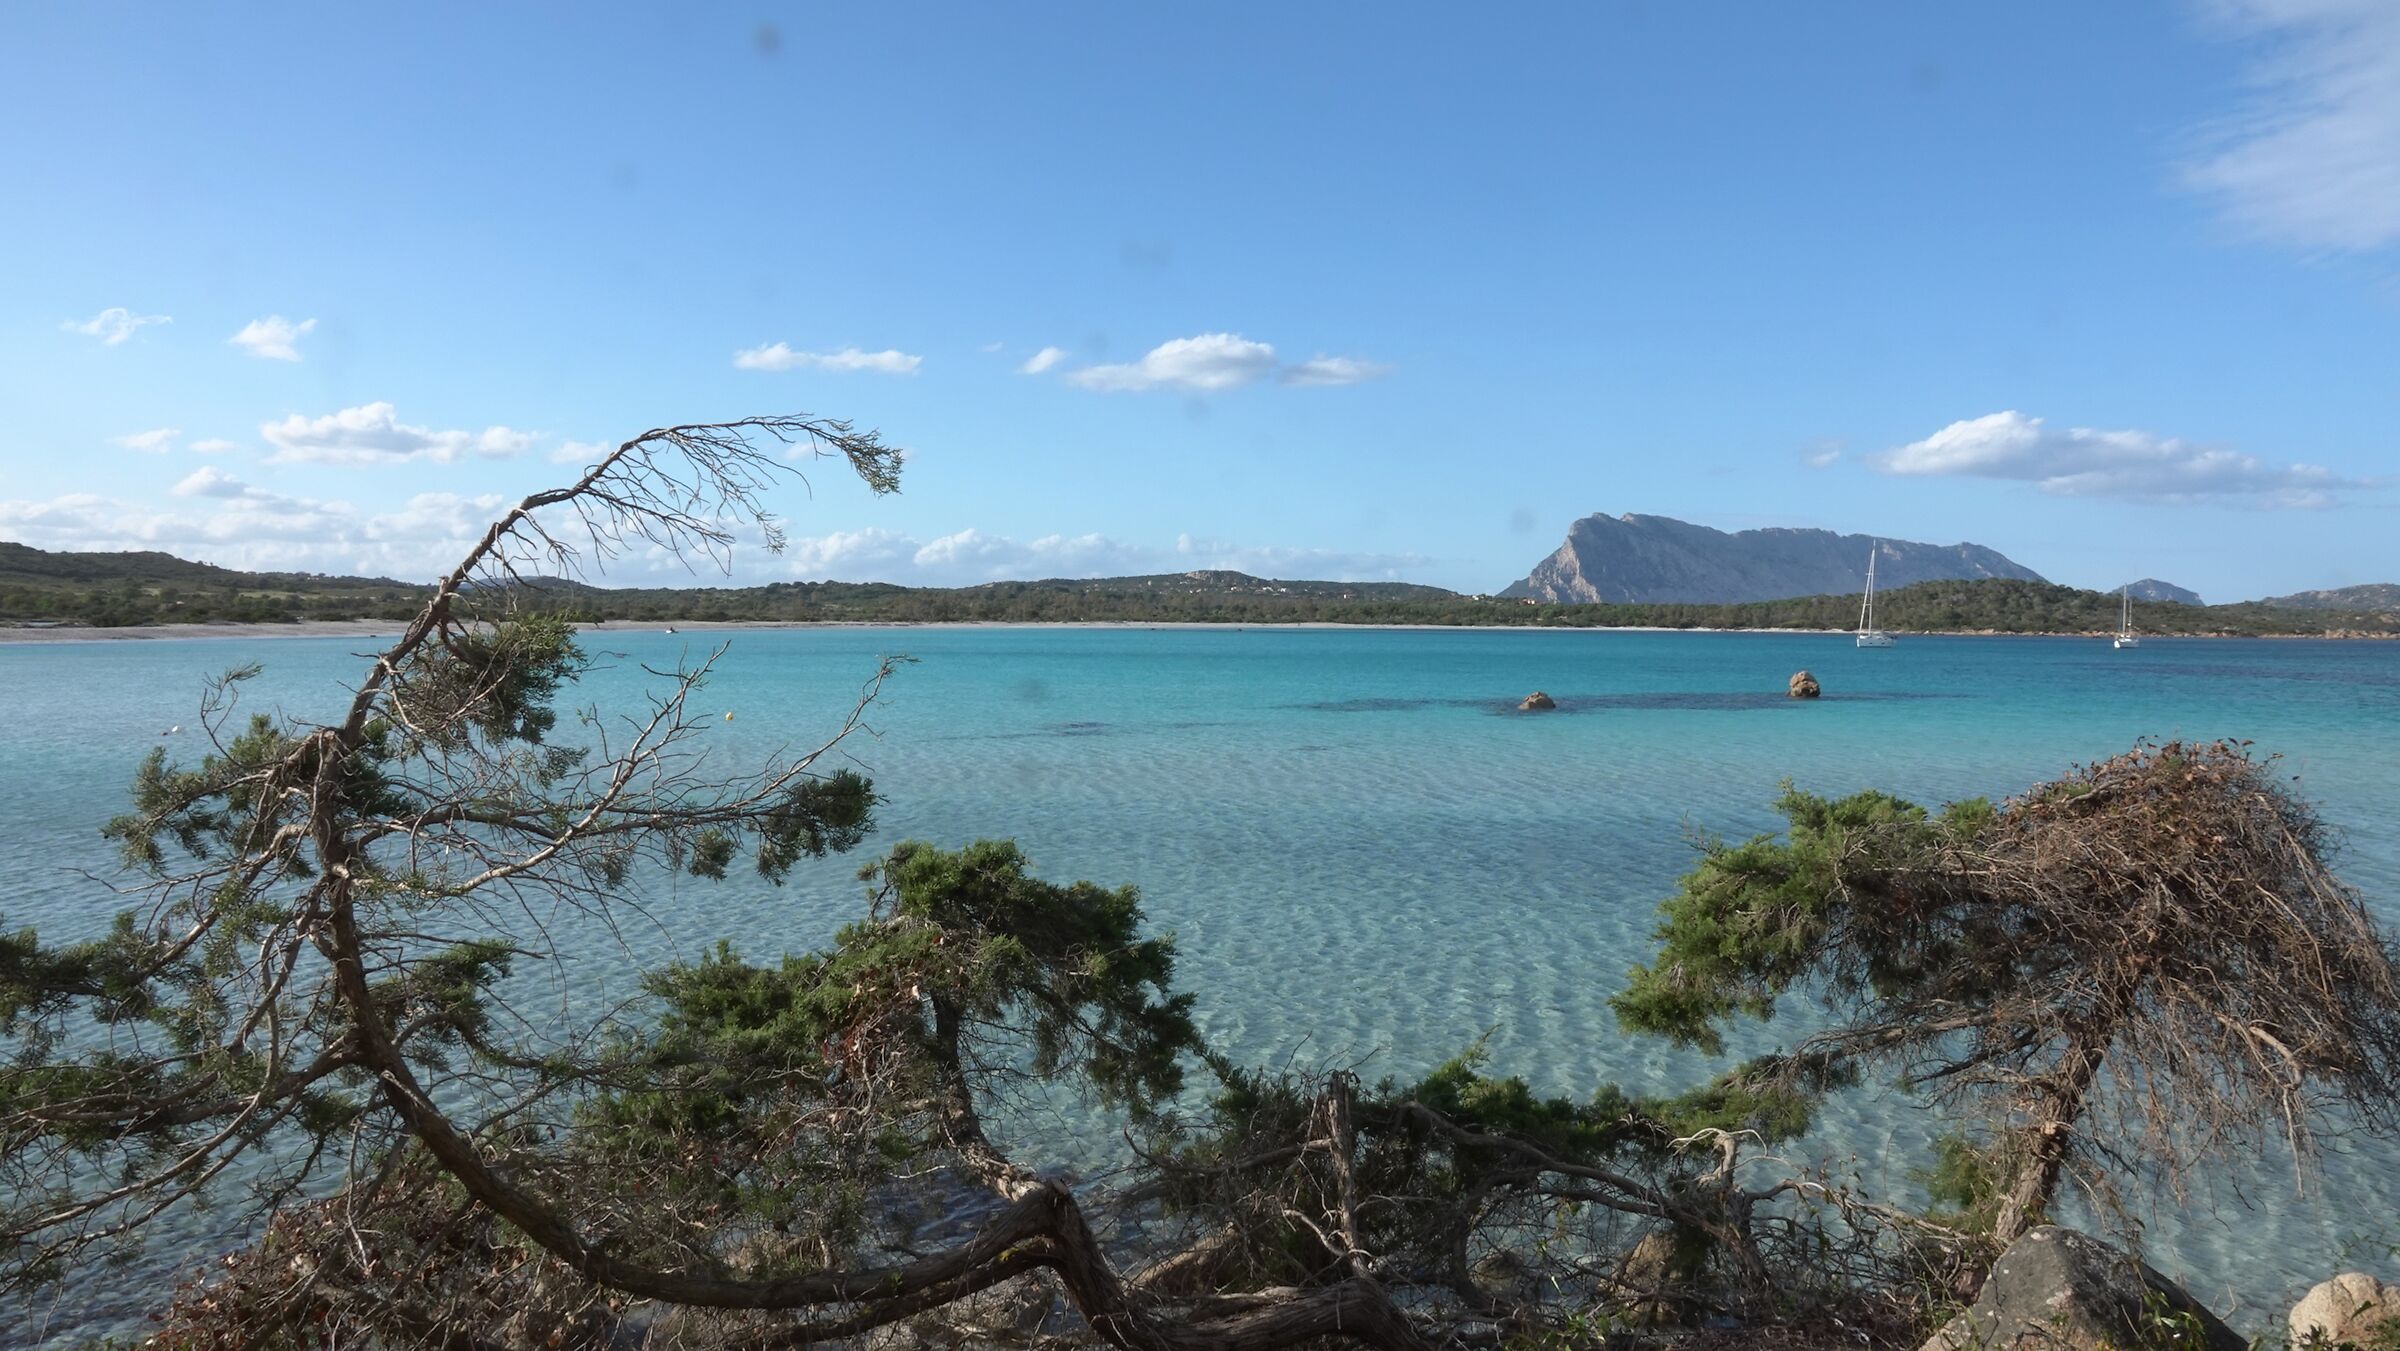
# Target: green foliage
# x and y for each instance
(233, 853)
(812, 818)
(1965, 1181)
(803, 1084)
(1751, 1097)
(1751, 920)
(993, 944)
(2127, 929)
(499, 681)
(441, 999)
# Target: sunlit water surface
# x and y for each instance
(1365, 855)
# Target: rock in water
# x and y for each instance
(1804, 686)
(1538, 700)
(2353, 1308)
(2056, 1288)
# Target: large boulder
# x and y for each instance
(2057, 1289)
(2351, 1309)
(1537, 701)
(1803, 686)
(1655, 1280)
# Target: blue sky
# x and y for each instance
(1325, 290)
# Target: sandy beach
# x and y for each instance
(84, 633)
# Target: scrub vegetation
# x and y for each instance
(127, 590)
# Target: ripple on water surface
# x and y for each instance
(1365, 853)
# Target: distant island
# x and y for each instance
(133, 589)
(2376, 597)
(2150, 588)
(1637, 560)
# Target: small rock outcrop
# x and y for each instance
(1804, 686)
(2055, 1288)
(2352, 1308)
(1537, 701)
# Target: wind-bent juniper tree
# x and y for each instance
(2146, 962)
(309, 1010)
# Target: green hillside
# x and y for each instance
(151, 588)
(113, 589)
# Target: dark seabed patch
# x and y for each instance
(1722, 703)
(1049, 733)
(2361, 676)
(1385, 705)
(1600, 703)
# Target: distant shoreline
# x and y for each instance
(384, 628)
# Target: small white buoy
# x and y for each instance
(729, 717)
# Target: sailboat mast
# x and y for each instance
(1866, 606)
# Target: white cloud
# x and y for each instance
(2083, 462)
(223, 520)
(273, 337)
(2313, 157)
(1324, 370)
(371, 434)
(212, 445)
(114, 324)
(1208, 363)
(1291, 564)
(210, 481)
(452, 518)
(781, 357)
(156, 441)
(971, 556)
(850, 555)
(579, 452)
(1824, 456)
(217, 516)
(970, 549)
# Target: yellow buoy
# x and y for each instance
(729, 717)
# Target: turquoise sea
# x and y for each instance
(1365, 854)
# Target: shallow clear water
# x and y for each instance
(1364, 852)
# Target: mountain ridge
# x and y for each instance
(1644, 559)
(2151, 588)
(2374, 597)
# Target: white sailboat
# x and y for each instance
(1868, 634)
(2125, 635)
